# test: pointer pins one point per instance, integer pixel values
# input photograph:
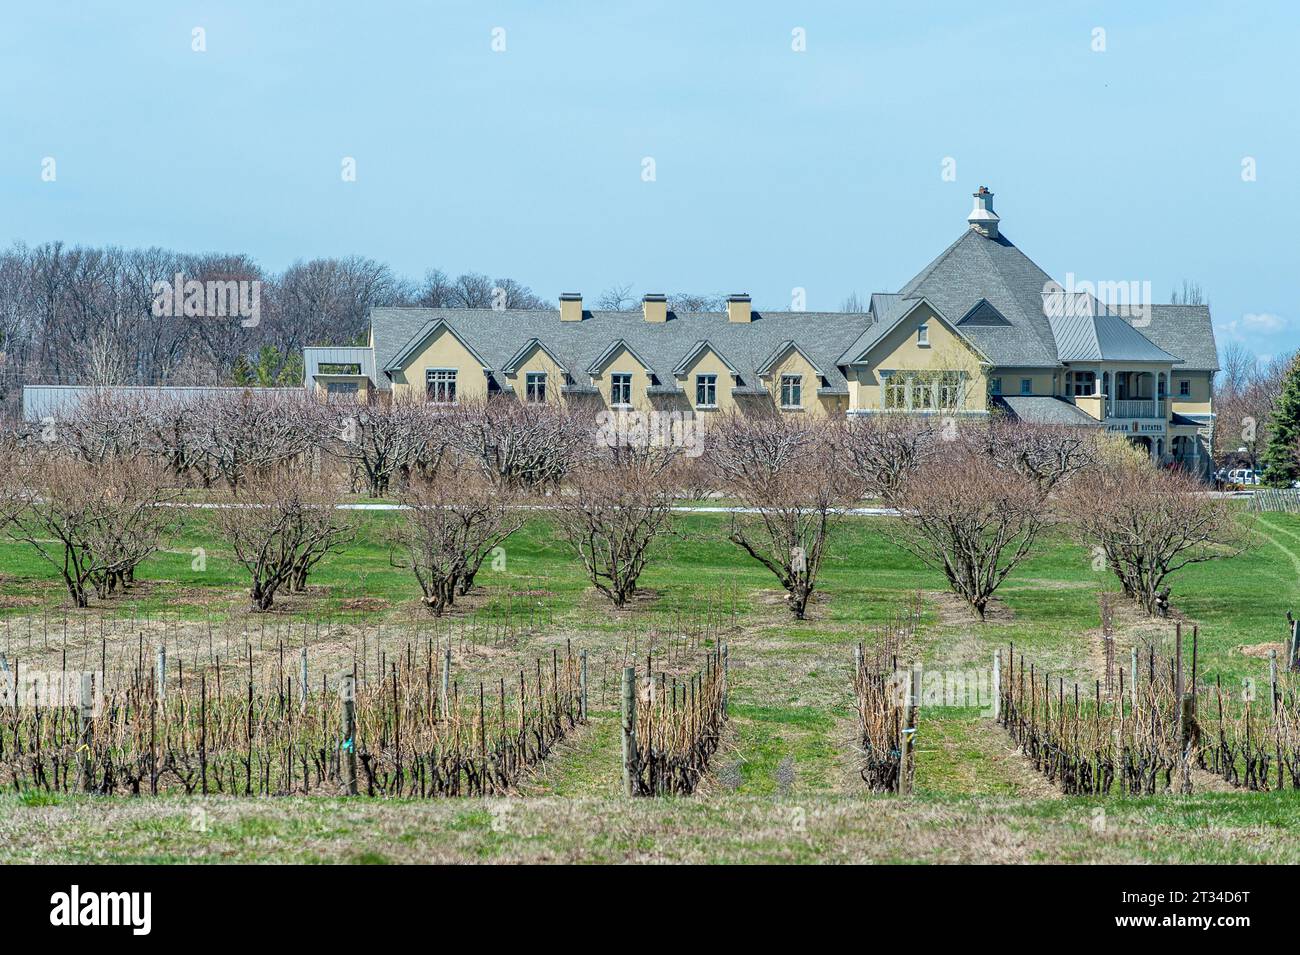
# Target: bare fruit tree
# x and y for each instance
(978, 508)
(453, 524)
(279, 527)
(614, 510)
(1147, 524)
(94, 523)
(792, 478)
(382, 440)
(100, 425)
(519, 444)
(246, 434)
(885, 449)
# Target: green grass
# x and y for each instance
(784, 785)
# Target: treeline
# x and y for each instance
(84, 314)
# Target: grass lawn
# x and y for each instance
(783, 786)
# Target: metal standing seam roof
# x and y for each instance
(313, 357)
(54, 401)
(1103, 337)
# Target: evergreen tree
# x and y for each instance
(1280, 464)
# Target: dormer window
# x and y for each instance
(620, 389)
(706, 391)
(440, 385)
(923, 335)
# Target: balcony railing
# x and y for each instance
(1135, 408)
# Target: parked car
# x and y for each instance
(1247, 477)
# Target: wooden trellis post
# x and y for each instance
(85, 734)
(628, 715)
(162, 672)
(347, 694)
(582, 686)
(726, 678)
(906, 747)
(302, 683)
(997, 684)
(446, 679)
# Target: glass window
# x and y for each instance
(706, 391)
(620, 388)
(791, 391)
(995, 386)
(1184, 388)
(440, 385)
(341, 388)
(949, 391)
(1085, 384)
(1026, 386)
(895, 393)
(535, 386)
(923, 334)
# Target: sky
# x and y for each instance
(679, 147)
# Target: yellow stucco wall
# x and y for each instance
(793, 363)
(1198, 402)
(441, 350)
(900, 351)
(1045, 381)
(361, 381)
(537, 360)
(624, 362)
(707, 362)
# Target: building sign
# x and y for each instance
(1136, 428)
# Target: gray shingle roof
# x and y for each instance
(496, 336)
(977, 267)
(1043, 409)
(886, 310)
(1185, 331)
(990, 289)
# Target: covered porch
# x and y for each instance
(1108, 392)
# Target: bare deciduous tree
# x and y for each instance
(1149, 524)
(613, 511)
(280, 526)
(518, 444)
(452, 525)
(93, 522)
(245, 434)
(791, 475)
(382, 439)
(978, 507)
(616, 298)
(885, 449)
